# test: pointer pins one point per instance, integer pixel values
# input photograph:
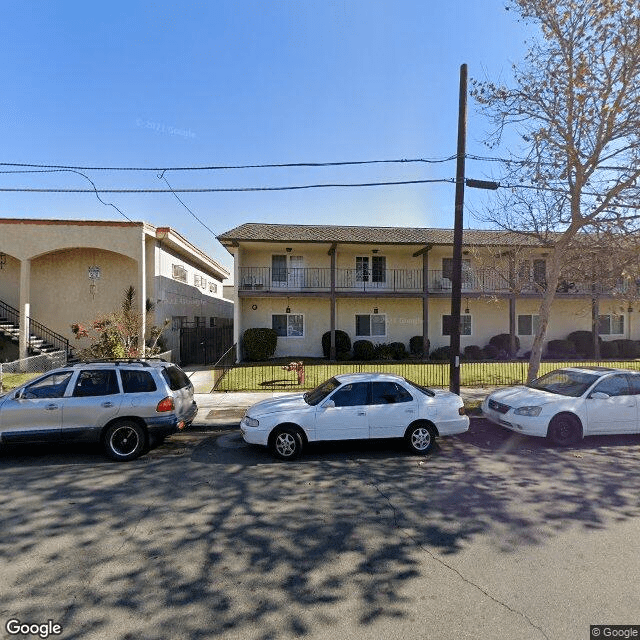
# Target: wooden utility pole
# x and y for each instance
(456, 276)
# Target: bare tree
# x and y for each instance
(575, 101)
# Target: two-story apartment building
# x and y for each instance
(54, 273)
(390, 284)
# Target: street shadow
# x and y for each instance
(209, 537)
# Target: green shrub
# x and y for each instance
(398, 350)
(259, 344)
(557, 349)
(490, 352)
(384, 352)
(609, 349)
(343, 344)
(583, 341)
(416, 346)
(441, 354)
(502, 342)
(473, 352)
(363, 350)
(628, 348)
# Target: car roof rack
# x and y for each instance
(142, 361)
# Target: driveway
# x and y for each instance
(491, 536)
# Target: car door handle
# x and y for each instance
(107, 404)
(362, 413)
(51, 407)
(409, 411)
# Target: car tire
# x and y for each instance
(564, 429)
(420, 438)
(286, 443)
(125, 440)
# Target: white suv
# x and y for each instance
(122, 404)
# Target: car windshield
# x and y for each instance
(425, 390)
(320, 393)
(564, 382)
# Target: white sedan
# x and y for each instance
(567, 404)
(351, 407)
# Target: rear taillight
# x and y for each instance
(166, 404)
(462, 411)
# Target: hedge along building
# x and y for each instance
(54, 273)
(388, 284)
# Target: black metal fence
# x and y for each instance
(204, 345)
(279, 376)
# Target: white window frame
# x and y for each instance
(535, 323)
(371, 315)
(462, 315)
(610, 317)
(179, 272)
(290, 315)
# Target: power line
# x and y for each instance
(230, 167)
(228, 189)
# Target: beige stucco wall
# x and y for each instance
(62, 293)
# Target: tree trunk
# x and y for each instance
(553, 275)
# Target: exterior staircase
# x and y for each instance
(42, 340)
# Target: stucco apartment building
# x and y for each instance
(390, 284)
(54, 273)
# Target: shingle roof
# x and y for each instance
(259, 232)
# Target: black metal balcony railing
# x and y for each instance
(475, 281)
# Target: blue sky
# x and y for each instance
(247, 82)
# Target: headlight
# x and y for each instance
(251, 422)
(528, 411)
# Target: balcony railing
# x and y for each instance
(474, 281)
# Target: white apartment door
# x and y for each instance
(295, 273)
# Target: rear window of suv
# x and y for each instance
(176, 378)
(137, 381)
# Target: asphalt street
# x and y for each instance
(492, 535)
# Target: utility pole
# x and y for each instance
(456, 275)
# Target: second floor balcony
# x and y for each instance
(404, 281)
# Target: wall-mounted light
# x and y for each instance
(375, 309)
(254, 306)
(375, 250)
(467, 307)
(289, 249)
(288, 309)
(630, 309)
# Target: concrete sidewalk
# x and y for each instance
(226, 408)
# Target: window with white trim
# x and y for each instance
(528, 324)
(288, 325)
(178, 272)
(465, 325)
(611, 325)
(371, 325)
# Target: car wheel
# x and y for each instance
(564, 430)
(420, 438)
(125, 440)
(286, 443)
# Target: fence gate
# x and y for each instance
(204, 345)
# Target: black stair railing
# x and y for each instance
(36, 329)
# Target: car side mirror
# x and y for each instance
(329, 404)
(599, 395)
(19, 394)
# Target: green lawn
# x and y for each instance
(271, 376)
(12, 380)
